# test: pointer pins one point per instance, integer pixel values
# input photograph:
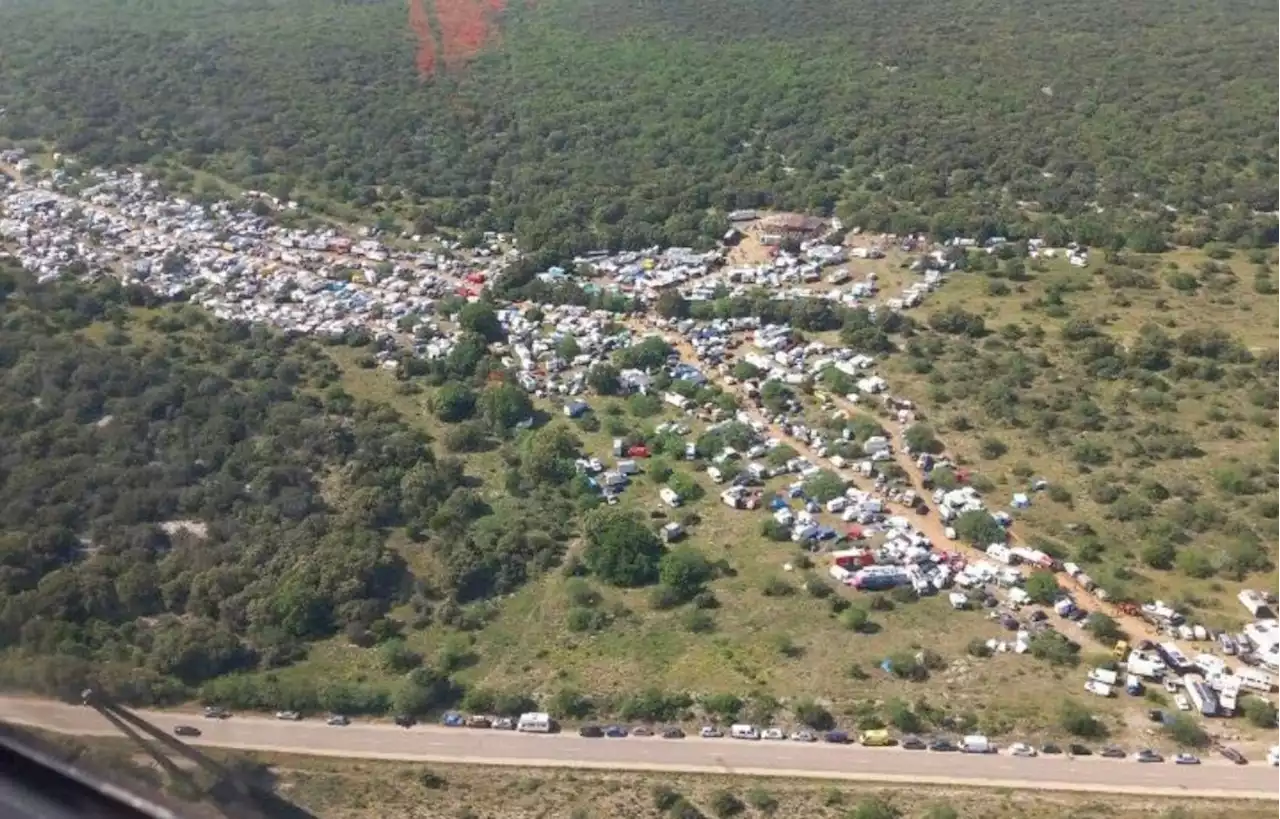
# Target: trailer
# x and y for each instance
(1201, 695)
(1173, 657)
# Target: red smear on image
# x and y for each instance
(463, 28)
(421, 25)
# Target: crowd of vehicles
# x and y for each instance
(872, 738)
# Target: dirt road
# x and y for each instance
(1213, 779)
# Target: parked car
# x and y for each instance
(772, 733)
(186, 730)
(803, 736)
(1021, 749)
(504, 724)
(913, 743)
(290, 716)
(943, 744)
(216, 712)
(641, 731)
(479, 721)
(710, 732)
(452, 719)
(836, 737)
(337, 719)
(1076, 749)
(1233, 755)
(406, 720)
(1186, 759)
(591, 731)
(1148, 755)
(1050, 749)
(672, 732)
(615, 731)
(1114, 752)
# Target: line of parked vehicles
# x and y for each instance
(971, 744)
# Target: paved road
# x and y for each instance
(1214, 778)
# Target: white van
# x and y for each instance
(976, 744)
(744, 732)
(715, 474)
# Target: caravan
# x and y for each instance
(744, 732)
(535, 723)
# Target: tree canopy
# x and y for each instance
(621, 549)
(953, 117)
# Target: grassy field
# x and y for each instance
(1231, 418)
(775, 650)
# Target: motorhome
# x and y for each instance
(534, 723)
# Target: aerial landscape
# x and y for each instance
(581, 408)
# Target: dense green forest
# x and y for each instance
(602, 122)
(186, 498)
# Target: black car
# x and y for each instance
(186, 731)
(1077, 749)
(943, 745)
(1233, 755)
(913, 743)
(1050, 749)
(836, 737)
(672, 732)
(1114, 752)
(406, 720)
(591, 731)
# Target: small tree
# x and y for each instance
(1186, 731)
(979, 528)
(1260, 712)
(454, 403)
(621, 549)
(856, 619)
(1104, 628)
(874, 808)
(725, 706)
(903, 718)
(1042, 587)
(684, 570)
(665, 797)
(603, 379)
(808, 712)
(920, 438)
(1077, 721)
(824, 486)
(726, 805)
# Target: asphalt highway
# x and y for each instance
(1213, 778)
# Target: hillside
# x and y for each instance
(582, 123)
